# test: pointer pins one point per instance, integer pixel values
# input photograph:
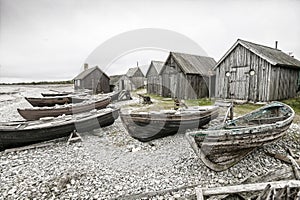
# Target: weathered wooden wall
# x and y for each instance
(283, 83)
(153, 81)
(269, 82)
(137, 82)
(183, 86)
(125, 83)
(95, 81)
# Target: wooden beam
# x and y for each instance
(249, 187)
(296, 167)
(265, 193)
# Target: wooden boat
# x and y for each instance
(36, 113)
(146, 126)
(15, 134)
(56, 94)
(52, 101)
(222, 147)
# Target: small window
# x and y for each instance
(227, 74)
(252, 72)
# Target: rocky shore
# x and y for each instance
(109, 164)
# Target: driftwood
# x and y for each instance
(278, 174)
(265, 193)
(288, 159)
(246, 188)
(281, 157)
(296, 167)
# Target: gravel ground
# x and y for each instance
(110, 164)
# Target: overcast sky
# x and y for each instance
(51, 39)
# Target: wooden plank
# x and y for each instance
(265, 193)
(296, 167)
(199, 193)
(249, 187)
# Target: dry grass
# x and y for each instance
(162, 103)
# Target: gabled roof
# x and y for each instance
(114, 79)
(86, 72)
(144, 69)
(158, 65)
(271, 55)
(193, 64)
(131, 71)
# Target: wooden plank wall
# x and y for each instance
(284, 83)
(240, 85)
(154, 82)
(177, 84)
(96, 81)
(126, 82)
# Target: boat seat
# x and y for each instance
(267, 120)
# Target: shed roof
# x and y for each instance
(158, 65)
(194, 64)
(271, 55)
(131, 71)
(114, 79)
(86, 72)
(144, 69)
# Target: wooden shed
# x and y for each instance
(124, 83)
(93, 79)
(114, 83)
(254, 72)
(136, 77)
(186, 76)
(154, 78)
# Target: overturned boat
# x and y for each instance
(52, 101)
(146, 126)
(20, 133)
(36, 113)
(223, 146)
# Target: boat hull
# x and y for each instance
(222, 148)
(52, 101)
(21, 136)
(147, 127)
(35, 114)
(55, 94)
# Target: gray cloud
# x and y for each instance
(53, 38)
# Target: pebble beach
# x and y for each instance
(109, 164)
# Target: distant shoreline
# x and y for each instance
(41, 83)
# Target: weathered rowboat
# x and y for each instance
(20, 133)
(222, 147)
(56, 94)
(52, 101)
(36, 113)
(146, 126)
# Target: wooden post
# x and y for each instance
(74, 136)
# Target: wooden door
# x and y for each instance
(173, 85)
(239, 83)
